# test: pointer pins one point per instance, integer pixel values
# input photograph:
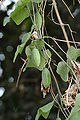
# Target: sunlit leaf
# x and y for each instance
(21, 12)
(44, 111)
(22, 3)
(46, 77)
(19, 16)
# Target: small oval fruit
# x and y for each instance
(46, 77)
(36, 56)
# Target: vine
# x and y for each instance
(38, 56)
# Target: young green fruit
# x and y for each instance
(46, 77)
(36, 56)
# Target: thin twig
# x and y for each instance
(20, 72)
(71, 32)
(55, 99)
(68, 9)
(60, 40)
(43, 5)
(61, 23)
(60, 95)
(59, 46)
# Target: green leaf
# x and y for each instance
(36, 56)
(19, 16)
(75, 112)
(28, 51)
(38, 44)
(29, 6)
(37, 1)
(26, 37)
(63, 70)
(46, 77)
(44, 111)
(21, 12)
(76, 116)
(6, 20)
(73, 53)
(22, 3)
(38, 20)
(19, 50)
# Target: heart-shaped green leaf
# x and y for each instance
(73, 53)
(63, 70)
(21, 12)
